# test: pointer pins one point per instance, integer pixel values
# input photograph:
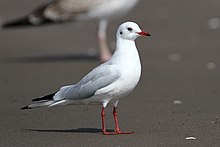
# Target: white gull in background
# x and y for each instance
(57, 11)
(106, 83)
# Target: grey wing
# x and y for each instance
(61, 10)
(98, 78)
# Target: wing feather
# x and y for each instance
(98, 78)
(61, 10)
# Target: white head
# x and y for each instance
(130, 31)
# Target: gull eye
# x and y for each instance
(129, 29)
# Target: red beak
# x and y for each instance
(144, 33)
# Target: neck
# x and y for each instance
(125, 49)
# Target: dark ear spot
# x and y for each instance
(121, 32)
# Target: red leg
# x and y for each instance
(104, 132)
(103, 121)
(104, 52)
(117, 130)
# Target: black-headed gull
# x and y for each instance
(73, 10)
(107, 82)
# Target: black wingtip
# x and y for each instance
(22, 22)
(47, 97)
(37, 99)
(25, 22)
(24, 108)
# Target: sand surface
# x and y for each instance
(178, 95)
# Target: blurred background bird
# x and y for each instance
(58, 11)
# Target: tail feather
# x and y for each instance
(38, 104)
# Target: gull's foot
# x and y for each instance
(116, 133)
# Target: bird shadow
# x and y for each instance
(78, 130)
(51, 58)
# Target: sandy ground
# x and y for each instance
(178, 95)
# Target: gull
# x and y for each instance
(56, 11)
(107, 82)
